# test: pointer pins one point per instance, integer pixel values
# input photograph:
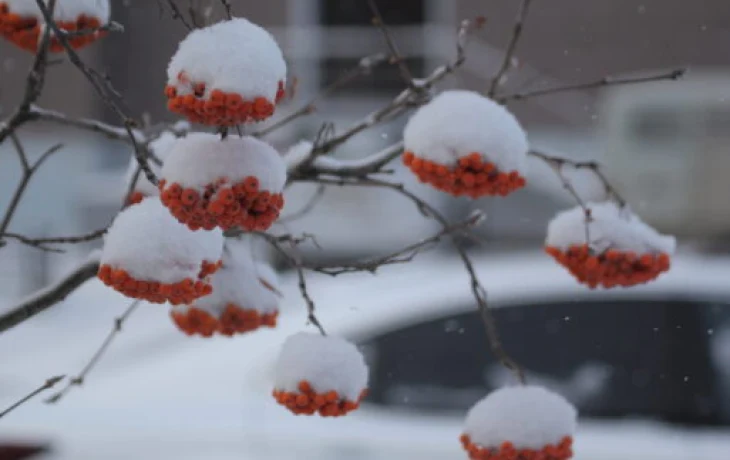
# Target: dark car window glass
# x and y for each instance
(612, 359)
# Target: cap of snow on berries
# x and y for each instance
(22, 22)
(524, 422)
(245, 297)
(160, 148)
(208, 182)
(465, 144)
(621, 249)
(320, 374)
(147, 254)
(229, 73)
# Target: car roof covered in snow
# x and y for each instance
(152, 365)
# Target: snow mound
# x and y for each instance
(233, 56)
(65, 10)
(457, 123)
(147, 242)
(327, 363)
(239, 282)
(160, 148)
(529, 417)
(611, 227)
(200, 159)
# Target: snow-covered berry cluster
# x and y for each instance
(207, 182)
(245, 297)
(148, 255)
(613, 247)
(227, 74)
(22, 22)
(465, 144)
(520, 423)
(320, 374)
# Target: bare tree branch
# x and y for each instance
(48, 296)
(511, 48)
(79, 379)
(410, 97)
(675, 74)
(110, 131)
(103, 88)
(50, 383)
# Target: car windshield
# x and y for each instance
(662, 359)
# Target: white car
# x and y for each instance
(648, 367)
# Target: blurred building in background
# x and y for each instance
(664, 143)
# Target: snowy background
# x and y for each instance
(649, 369)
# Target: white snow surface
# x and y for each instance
(160, 147)
(199, 159)
(327, 363)
(150, 244)
(297, 153)
(232, 56)
(610, 228)
(238, 282)
(456, 123)
(530, 417)
(66, 10)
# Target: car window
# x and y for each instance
(610, 358)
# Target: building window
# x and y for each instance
(357, 12)
(348, 35)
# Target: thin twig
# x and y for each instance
(511, 48)
(296, 263)
(364, 67)
(79, 379)
(478, 290)
(400, 256)
(675, 74)
(28, 173)
(41, 242)
(395, 56)
(50, 383)
(558, 162)
(177, 14)
(228, 8)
